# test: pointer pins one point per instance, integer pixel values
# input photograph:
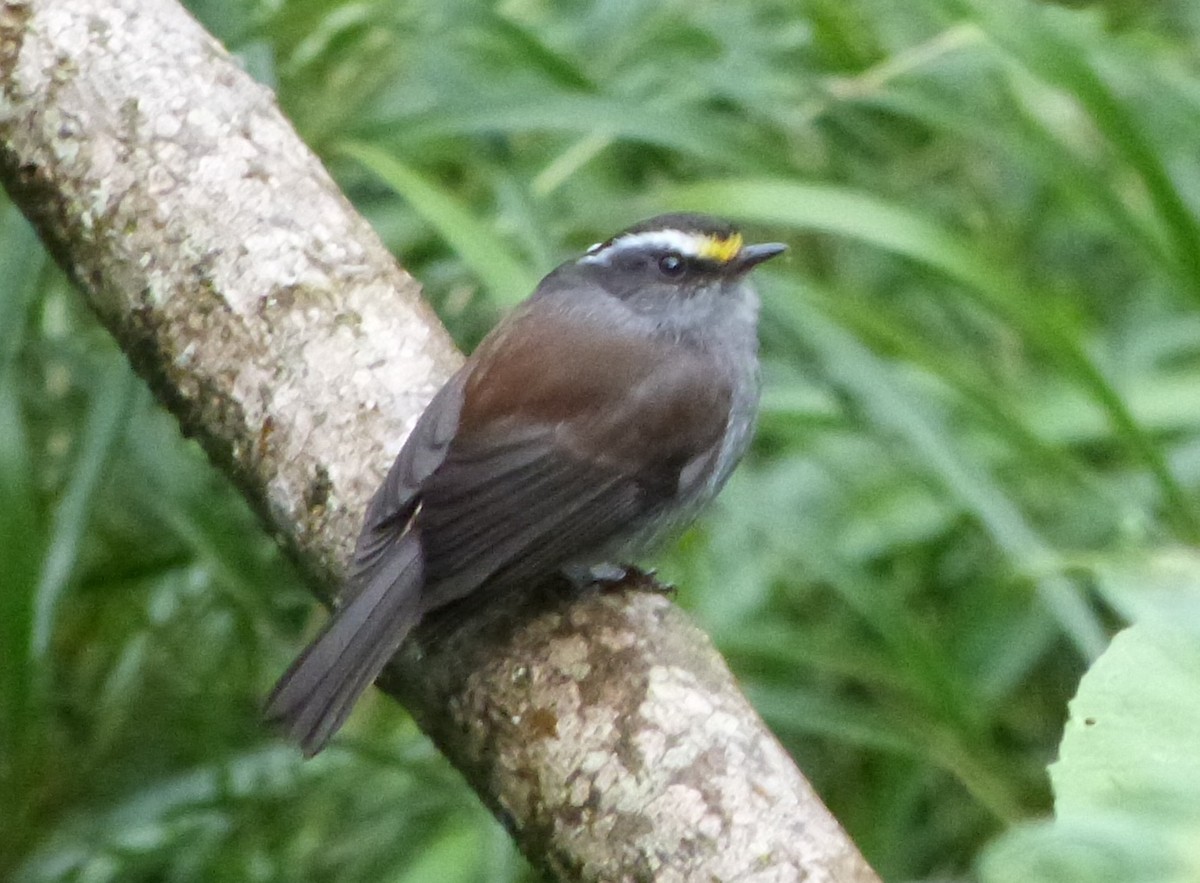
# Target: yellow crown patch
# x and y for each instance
(721, 250)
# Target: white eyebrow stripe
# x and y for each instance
(686, 244)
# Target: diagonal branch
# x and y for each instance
(606, 733)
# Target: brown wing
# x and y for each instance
(397, 498)
(567, 437)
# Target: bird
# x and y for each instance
(595, 420)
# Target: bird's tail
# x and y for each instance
(315, 695)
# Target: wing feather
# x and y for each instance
(557, 438)
(567, 508)
(397, 499)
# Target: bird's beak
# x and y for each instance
(752, 255)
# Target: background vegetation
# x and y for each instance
(980, 443)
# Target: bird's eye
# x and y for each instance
(671, 265)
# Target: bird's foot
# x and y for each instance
(608, 577)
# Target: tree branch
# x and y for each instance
(606, 732)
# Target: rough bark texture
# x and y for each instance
(605, 732)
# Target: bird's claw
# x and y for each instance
(618, 577)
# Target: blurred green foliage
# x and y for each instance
(1127, 775)
(982, 364)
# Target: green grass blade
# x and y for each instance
(102, 428)
(21, 537)
(535, 54)
(855, 215)
(897, 411)
(687, 132)
(21, 263)
(20, 540)
(487, 254)
(1068, 63)
(1014, 132)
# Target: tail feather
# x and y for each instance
(314, 696)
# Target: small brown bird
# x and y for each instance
(597, 418)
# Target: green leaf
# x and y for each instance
(1102, 849)
(1127, 781)
(1130, 744)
